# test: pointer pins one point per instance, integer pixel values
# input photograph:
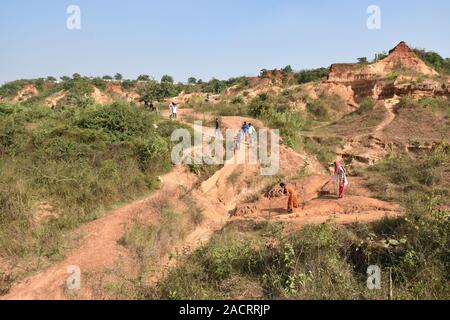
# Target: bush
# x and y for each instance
(81, 161)
(12, 88)
(306, 76)
(366, 106)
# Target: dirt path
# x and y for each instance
(390, 116)
(99, 247)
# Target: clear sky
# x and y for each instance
(207, 38)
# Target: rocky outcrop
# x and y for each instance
(401, 58)
(28, 91)
(428, 88)
(347, 72)
(373, 79)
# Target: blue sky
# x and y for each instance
(207, 38)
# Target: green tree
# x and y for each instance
(154, 91)
(305, 76)
(192, 80)
(144, 77)
(51, 79)
(215, 86)
(434, 60)
(363, 60)
(76, 76)
(380, 56)
(118, 77)
(287, 69)
(65, 78)
(107, 77)
(166, 78)
(264, 73)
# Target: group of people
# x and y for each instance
(173, 109)
(246, 132)
(339, 178)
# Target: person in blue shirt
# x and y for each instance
(245, 128)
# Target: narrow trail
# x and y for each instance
(217, 197)
(99, 248)
(390, 116)
(368, 148)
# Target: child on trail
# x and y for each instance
(340, 178)
(292, 200)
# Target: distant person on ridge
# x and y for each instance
(340, 178)
(171, 111)
(174, 111)
(217, 130)
(293, 198)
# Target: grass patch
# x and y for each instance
(81, 161)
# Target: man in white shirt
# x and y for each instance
(174, 110)
(251, 133)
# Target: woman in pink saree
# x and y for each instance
(340, 178)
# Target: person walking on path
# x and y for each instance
(340, 178)
(251, 133)
(174, 111)
(217, 130)
(293, 198)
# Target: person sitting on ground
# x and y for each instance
(293, 198)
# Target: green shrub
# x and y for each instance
(12, 88)
(366, 106)
(81, 161)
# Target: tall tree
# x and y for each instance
(118, 77)
(363, 60)
(153, 91)
(144, 77)
(166, 78)
(192, 80)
